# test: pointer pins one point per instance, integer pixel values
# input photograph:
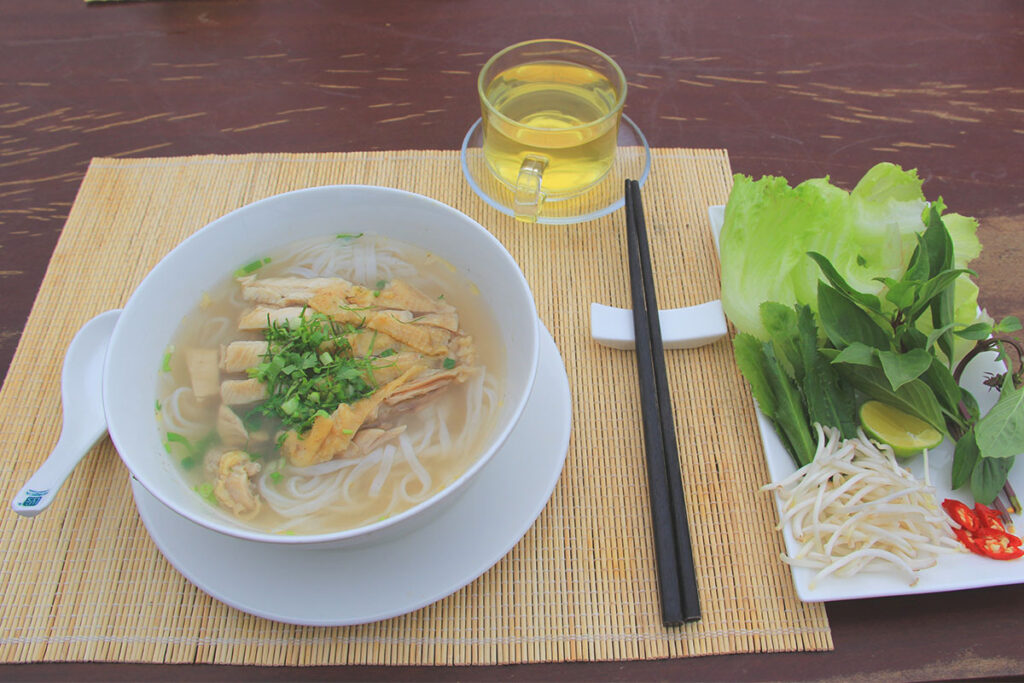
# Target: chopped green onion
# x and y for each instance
(349, 236)
(165, 366)
(252, 267)
(303, 379)
(174, 437)
(276, 477)
(448, 363)
(205, 490)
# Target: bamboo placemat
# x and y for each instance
(83, 581)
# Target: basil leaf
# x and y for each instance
(932, 289)
(968, 401)
(1008, 324)
(908, 338)
(965, 457)
(945, 388)
(900, 294)
(900, 368)
(858, 354)
(919, 268)
(936, 239)
(937, 334)
(846, 323)
(988, 477)
(868, 301)
(1000, 433)
(974, 332)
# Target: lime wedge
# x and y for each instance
(907, 434)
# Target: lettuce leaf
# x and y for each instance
(867, 233)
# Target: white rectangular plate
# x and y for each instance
(954, 571)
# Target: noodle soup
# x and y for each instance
(331, 385)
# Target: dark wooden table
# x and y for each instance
(798, 88)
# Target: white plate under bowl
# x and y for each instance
(953, 571)
(337, 587)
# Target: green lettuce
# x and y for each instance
(866, 234)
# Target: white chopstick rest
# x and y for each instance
(681, 328)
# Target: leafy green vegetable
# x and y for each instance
(868, 233)
(750, 359)
(830, 401)
(790, 412)
(793, 382)
(885, 274)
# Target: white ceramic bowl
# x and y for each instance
(175, 285)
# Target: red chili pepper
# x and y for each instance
(967, 539)
(961, 514)
(998, 545)
(982, 531)
(988, 517)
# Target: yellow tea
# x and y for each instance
(565, 114)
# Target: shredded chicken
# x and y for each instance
(234, 488)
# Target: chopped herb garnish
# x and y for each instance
(252, 267)
(309, 370)
(205, 490)
(381, 284)
(194, 452)
(349, 236)
(448, 363)
(276, 477)
(165, 366)
(159, 406)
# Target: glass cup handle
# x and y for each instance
(528, 196)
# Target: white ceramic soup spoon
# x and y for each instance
(81, 384)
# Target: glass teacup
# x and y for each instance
(551, 112)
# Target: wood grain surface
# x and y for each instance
(798, 88)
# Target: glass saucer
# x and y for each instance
(632, 160)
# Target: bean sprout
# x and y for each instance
(854, 509)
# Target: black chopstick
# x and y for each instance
(677, 582)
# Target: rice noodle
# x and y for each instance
(182, 413)
(854, 509)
